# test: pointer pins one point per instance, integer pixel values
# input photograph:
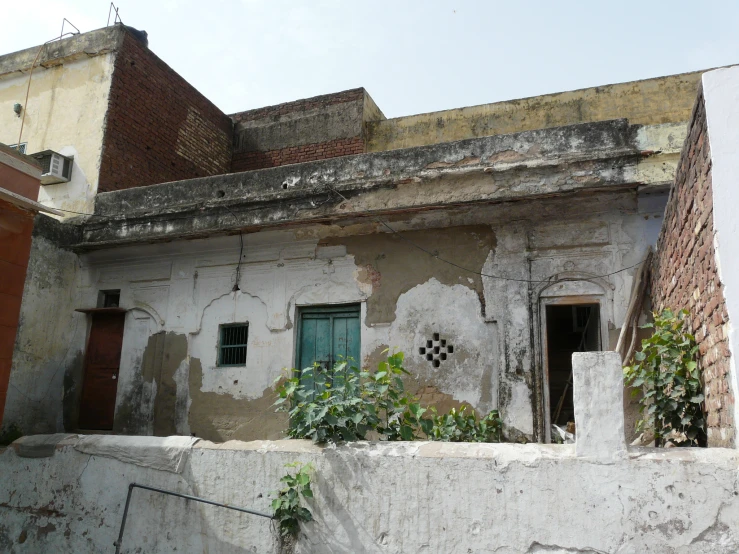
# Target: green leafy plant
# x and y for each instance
(463, 426)
(667, 373)
(287, 506)
(349, 404)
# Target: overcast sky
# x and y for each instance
(411, 56)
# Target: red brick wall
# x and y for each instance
(685, 274)
(158, 127)
(16, 226)
(246, 161)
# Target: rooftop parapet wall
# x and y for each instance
(68, 493)
(315, 128)
(492, 169)
(648, 102)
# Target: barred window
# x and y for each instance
(232, 346)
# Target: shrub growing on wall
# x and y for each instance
(348, 404)
(667, 373)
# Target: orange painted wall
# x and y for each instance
(16, 226)
(18, 182)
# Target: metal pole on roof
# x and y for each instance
(117, 18)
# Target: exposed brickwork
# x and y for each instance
(158, 127)
(246, 161)
(685, 273)
(304, 105)
(249, 154)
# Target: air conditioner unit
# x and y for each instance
(55, 168)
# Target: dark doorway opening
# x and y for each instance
(570, 328)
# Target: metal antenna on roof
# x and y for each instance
(117, 18)
(65, 20)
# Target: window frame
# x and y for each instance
(219, 355)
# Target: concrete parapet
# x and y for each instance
(599, 413)
(399, 497)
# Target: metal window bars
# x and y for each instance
(233, 343)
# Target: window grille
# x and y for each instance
(232, 347)
(20, 147)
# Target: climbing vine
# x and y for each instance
(666, 372)
(349, 404)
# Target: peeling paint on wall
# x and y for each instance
(221, 417)
(392, 266)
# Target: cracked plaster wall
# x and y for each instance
(184, 290)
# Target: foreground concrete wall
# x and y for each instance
(375, 497)
(179, 293)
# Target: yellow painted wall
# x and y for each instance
(65, 113)
(650, 102)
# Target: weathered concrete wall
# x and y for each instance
(66, 108)
(687, 241)
(379, 497)
(180, 293)
(648, 102)
(46, 369)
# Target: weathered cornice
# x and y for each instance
(564, 160)
(84, 45)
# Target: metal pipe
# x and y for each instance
(119, 542)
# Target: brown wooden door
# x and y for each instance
(102, 362)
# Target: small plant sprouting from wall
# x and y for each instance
(348, 404)
(287, 506)
(667, 373)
